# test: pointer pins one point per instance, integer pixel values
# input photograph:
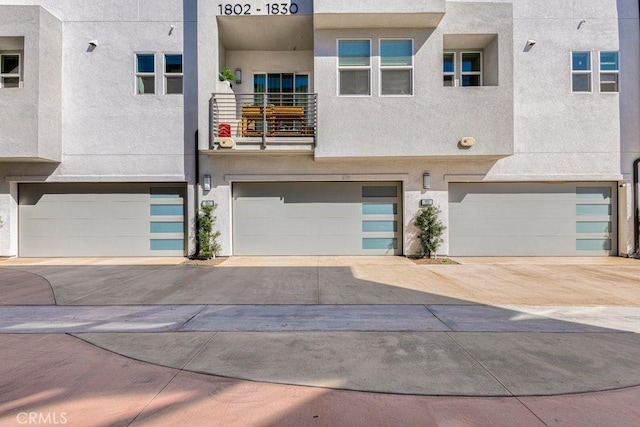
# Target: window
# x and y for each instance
(609, 71)
(9, 70)
(278, 85)
(354, 67)
(173, 74)
(396, 67)
(449, 68)
(581, 71)
(145, 73)
(471, 69)
(466, 72)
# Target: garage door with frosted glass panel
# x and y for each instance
(532, 219)
(64, 220)
(317, 218)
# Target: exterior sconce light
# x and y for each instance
(426, 181)
(238, 74)
(207, 183)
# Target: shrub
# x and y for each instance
(431, 229)
(207, 238)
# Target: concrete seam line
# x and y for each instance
(179, 371)
(204, 307)
(530, 410)
(439, 319)
(480, 364)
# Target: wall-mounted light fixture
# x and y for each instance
(207, 183)
(426, 181)
(238, 74)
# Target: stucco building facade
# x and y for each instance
(518, 119)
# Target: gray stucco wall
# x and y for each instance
(31, 119)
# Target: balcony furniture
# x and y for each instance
(280, 121)
(252, 121)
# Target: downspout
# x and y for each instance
(196, 190)
(636, 213)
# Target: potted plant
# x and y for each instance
(227, 75)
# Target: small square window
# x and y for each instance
(145, 74)
(581, 71)
(10, 70)
(471, 69)
(609, 71)
(173, 74)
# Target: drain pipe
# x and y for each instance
(636, 212)
(196, 190)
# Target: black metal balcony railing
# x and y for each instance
(266, 117)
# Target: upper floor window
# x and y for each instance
(145, 73)
(609, 69)
(462, 69)
(278, 86)
(173, 73)
(581, 71)
(449, 69)
(354, 67)
(9, 70)
(396, 67)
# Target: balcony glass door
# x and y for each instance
(281, 88)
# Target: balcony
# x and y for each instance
(259, 122)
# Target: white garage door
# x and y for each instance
(75, 220)
(532, 219)
(317, 218)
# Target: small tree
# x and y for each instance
(207, 238)
(431, 230)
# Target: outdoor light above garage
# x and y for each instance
(426, 181)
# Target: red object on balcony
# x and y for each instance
(224, 130)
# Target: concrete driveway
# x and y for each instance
(488, 329)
